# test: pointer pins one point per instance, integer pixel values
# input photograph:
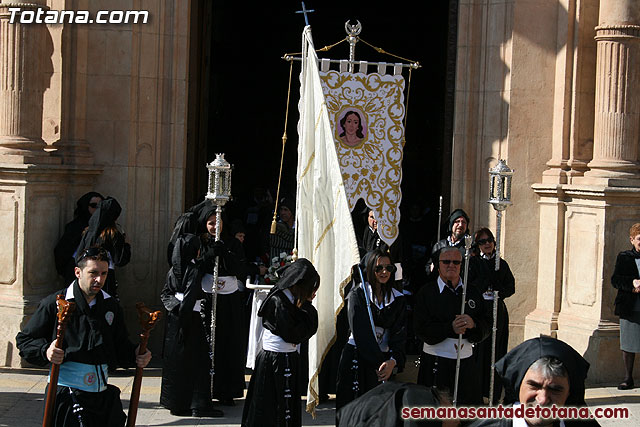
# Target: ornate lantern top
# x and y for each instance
(219, 189)
(500, 186)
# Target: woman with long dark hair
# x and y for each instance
(369, 359)
(289, 318)
(352, 129)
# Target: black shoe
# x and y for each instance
(625, 385)
(207, 413)
(228, 402)
(180, 412)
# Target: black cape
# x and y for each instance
(483, 276)
(185, 373)
(274, 390)
(382, 406)
(68, 243)
(105, 216)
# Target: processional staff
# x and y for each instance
(439, 220)
(65, 309)
(147, 320)
(500, 198)
(219, 193)
(467, 255)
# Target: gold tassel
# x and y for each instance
(284, 142)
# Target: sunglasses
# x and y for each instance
(449, 261)
(390, 268)
(93, 205)
(484, 241)
(92, 252)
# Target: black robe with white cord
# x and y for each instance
(274, 390)
(360, 362)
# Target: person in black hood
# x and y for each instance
(457, 227)
(66, 246)
(187, 223)
(231, 335)
(542, 372)
(103, 231)
(289, 318)
(186, 389)
(626, 279)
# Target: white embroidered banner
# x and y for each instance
(366, 113)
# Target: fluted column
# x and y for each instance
(22, 85)
(617, 118)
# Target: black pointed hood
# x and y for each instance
(515, 364)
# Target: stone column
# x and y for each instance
(22, 85)
(37, 193)
(617, 118)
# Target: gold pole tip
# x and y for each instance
(273, 227)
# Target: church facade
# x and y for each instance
(551, 86)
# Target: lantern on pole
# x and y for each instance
(219, 192)
(500, 198)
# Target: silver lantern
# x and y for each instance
(500, 198)
(219, 192)
(219, 189)
(500, 188)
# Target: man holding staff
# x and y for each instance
(438, 322)
(95, 340)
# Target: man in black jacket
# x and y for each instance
(438, 322)
(95, 341)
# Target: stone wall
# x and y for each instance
(112, 104)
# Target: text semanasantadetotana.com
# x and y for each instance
(42, 16)
(500, 412)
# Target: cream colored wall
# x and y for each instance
(504, 109)
(115, 112)
(135, 125)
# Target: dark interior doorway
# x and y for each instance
(238, 89)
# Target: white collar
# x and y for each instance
(387, 299)
(442, 285)
(493, 255)
(69, 294)
(289, 294)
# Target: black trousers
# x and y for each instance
(441, 372)
(103, 409)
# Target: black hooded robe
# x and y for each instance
(483, 276)
(119, 250)
(231, 335)
(513, 367)
(185, 374)
(273, 398)
(68, 243)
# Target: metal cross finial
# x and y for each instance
(305, 11)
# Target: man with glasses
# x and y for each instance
(438, 322)
(95, 341)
